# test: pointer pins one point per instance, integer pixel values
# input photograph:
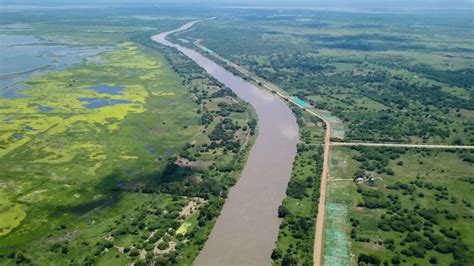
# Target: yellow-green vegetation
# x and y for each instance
(419, 212)
(71, 159)
(11, 215)
(61, 93)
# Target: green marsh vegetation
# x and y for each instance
(124, 157)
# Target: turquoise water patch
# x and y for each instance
(106, 89)
(300, 102)
(336, 241)
(93, 103)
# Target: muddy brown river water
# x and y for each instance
(247, 228)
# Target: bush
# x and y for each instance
(396, 260)
(368, 259)
(282, 211)
(288, 260)
(134, 252)
(276, 254)
(163, 245)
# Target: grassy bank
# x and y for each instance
(299, 209)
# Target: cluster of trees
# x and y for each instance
(377, 159)
(419, 227)
(150, 226)
(460, 77)
(373, 199)
(296, 228)
(365, 259)
(17, 258)
(226, 109)
(297, 188)
(223, 136)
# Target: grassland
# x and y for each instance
(419, 214)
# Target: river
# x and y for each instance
(247, 228)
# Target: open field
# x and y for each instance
(417, 210)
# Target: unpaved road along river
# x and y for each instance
(246, 231)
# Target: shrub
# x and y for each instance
(163, 245)
(134, 252)
(282, 211)
(368, 259)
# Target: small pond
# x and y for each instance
(93, 103)
(106, 89)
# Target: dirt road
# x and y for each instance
(319, 232)
(421, 146)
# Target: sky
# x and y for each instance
(331, 3)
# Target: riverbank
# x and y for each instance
(247, 228)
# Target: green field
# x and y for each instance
(419, 214)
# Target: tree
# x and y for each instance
(282, 211)
(288, 260)
(276, 254)
(458, 140)
(368, 259)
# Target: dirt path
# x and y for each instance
(319, 232)
(422, 146)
